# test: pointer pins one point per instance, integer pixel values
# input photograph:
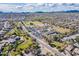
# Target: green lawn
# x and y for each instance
(24, 45)
(58, 45)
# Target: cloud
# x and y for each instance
(21, 7)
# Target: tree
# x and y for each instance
(31, 23)
(55, 37)
(77, 39)
(0, 39)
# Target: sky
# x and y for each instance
(34, 7)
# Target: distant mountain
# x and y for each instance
(72, 11)
(39, 12)
(67, 11)
(13, 12)
(1, 12)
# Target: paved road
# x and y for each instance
(70, 37)
(53, 51)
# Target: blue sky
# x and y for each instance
(33, 7)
